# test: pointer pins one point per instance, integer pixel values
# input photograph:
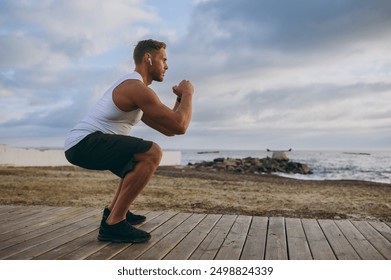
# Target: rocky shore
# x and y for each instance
(254, 165)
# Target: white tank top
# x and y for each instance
(106, 117)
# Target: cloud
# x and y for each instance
(295, 25)
(276, 66)
(266, 73)
(54, 55)
(238, 36)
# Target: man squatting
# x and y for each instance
(101, 140)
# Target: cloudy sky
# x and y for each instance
(303, 74)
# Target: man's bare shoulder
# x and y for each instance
(130, 84)
(132, 94)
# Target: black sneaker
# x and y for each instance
(122, 232)
(131, 218)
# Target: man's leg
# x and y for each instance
(116, 195)
(133, 183)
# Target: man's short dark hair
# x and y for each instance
(145, 46)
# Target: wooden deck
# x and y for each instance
(47, 233)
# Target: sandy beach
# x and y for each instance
(189, 190)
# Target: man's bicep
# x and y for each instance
(154, 110)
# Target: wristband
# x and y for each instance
(178, 99)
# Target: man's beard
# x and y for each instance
(157, 77)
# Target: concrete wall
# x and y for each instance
(35, 157)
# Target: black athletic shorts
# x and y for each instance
(100, 151)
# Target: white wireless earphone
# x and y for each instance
(150, 61)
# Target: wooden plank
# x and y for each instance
(21, 241)
(57, 238)
(75, 249)
(254, 248)
(166, 244)
(233, 245)
(375, 238)
(211, 244)
(383, 229)
(70, 233)
(18, 213)
(76, 244)
(298, 248)
(12, 219)
(8, 209)
(136, 250)
(112, 249)
(61, 228)
(43, 227)
(87, 248)
(5, 209)
(276, 247)
(340, 245)
(26, 226)
(363, 248)
(72, 242)
(319, 247)
(190, 243)
(40, 221)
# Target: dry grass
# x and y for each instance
(189, 190)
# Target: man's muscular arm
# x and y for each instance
(151, 123)
(177, 120)
(156, 114)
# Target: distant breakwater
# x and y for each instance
(253, 165)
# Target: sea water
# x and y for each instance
(372, 166)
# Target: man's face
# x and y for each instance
(159, 65)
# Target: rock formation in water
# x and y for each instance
(254, 165)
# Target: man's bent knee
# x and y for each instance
(156, 153)
(153, 155)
